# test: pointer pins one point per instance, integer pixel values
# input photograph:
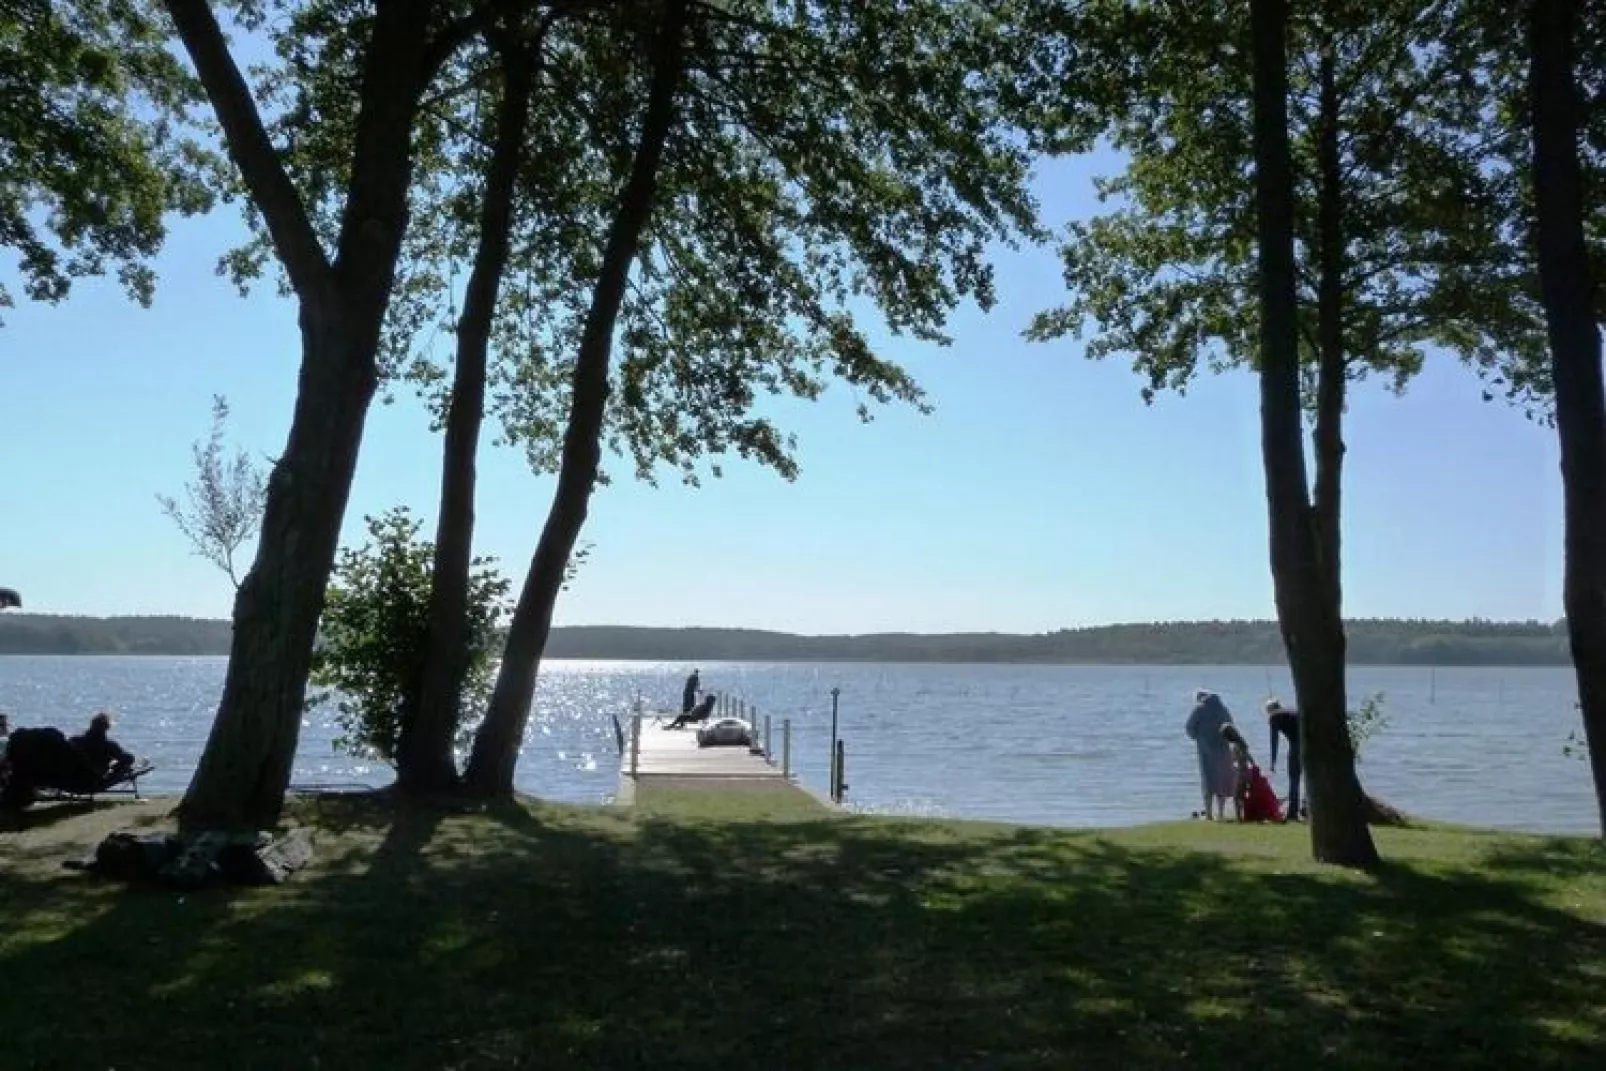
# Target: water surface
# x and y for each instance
(1059, 745)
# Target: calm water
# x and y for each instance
(1061, 745)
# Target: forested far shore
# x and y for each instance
(1371, 642)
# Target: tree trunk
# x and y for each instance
(1311, 631)
(425, 761)
(1331, 373)
(245, 767)
(1566, 289)
(496, 746)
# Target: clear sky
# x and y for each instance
(1041, 494)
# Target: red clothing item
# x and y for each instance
(1260, 799)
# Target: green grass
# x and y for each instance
(692, 932)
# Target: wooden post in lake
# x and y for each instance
(635, 743)
(786, 748)
(836, 693)
(769, 754)
(840, 780)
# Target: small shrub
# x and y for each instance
(1367, 721)
(370, 654)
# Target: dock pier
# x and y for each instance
(650, 750)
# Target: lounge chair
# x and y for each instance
(117, 782)
(43, 764)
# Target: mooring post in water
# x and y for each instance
(786, 748)
(836, 693)
(769, 755)
(635, 744)
(840, 780)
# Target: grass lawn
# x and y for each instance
(750, 930)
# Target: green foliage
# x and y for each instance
(374, 630)
(223, 511)
(1366, 722)
(829, 159)
(93, 155)
(1428, 258)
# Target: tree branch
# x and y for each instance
(275, 195)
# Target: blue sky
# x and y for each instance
(1041, 494)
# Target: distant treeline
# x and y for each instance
(1371, 642)
(49, 634)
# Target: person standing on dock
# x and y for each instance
(688, 698)
(1285, 723)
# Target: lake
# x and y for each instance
(1056, 745)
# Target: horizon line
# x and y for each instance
(1261, 621)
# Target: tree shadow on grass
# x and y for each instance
(554, 937)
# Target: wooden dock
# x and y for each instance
(652, 750)
(663, 752)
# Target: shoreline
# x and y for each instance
(867, 661)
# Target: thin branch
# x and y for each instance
(252, 151)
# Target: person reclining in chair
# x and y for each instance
(105, 756)
(697, 713)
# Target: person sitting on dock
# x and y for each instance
(698, 713)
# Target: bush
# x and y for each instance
(1367, 722)
(372, 636)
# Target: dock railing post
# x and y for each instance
(786, 749)
(635, 744)
(769, 755)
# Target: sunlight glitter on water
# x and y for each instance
(1064, 745)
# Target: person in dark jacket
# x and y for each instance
(698, 713)
(105, 755)
(1284, 724)
(688, 697)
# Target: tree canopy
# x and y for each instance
(96, 148)
(1426, 257)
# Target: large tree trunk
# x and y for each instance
(245, 768)
(425, 763)
(1567, 290)
(496, 746)
(1311, 630)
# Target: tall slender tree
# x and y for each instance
(815, 155)
(1569, 290)
(426, 762)
(1312, 629)
(496, 745)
